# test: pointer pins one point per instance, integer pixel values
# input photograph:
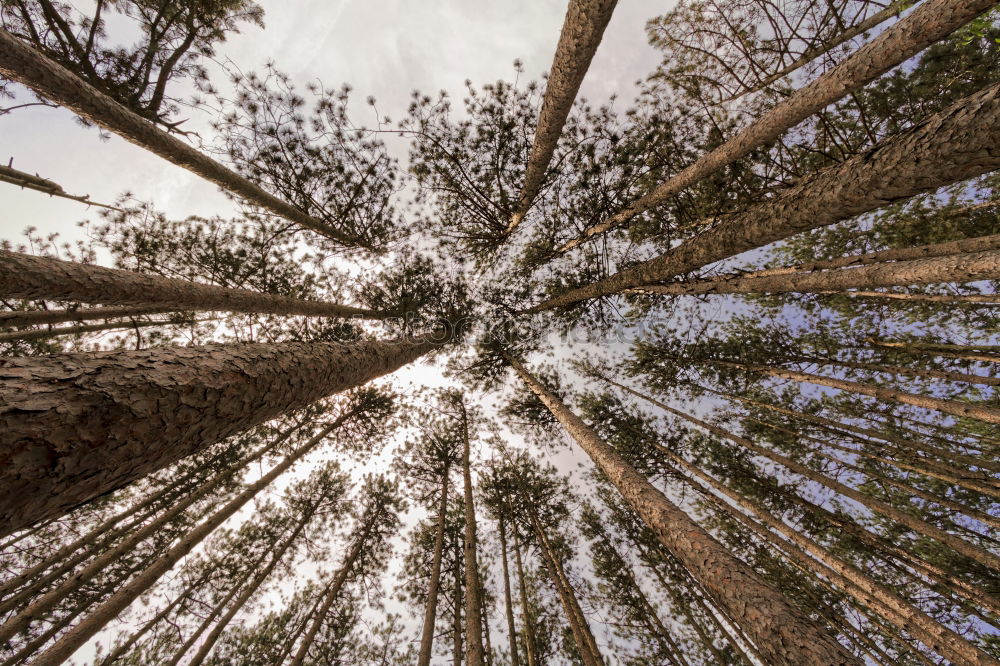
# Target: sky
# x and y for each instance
(383, 48)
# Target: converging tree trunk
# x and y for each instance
(959, 143)
(45, 334)
(526, 615)
(473, 601)
(779, 630)
(28, 276)
(73, 426)
(582, 31)
(40, 317)
(515, 657)
(931, 21)
(21, 63)
(430, 612)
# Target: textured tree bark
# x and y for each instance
(515, 657)
(332, 594)
(852, 580)
(250, 590)
(984, 300)
(457, 651)
(960, 377)
(38, 607)
(529, 630)
(579, 627)
(808, 56)
(958, 268)
(930, 22)
(957, 544)
(117, 653)
(430, 611)
(778, 629)
(581, 34)
(73, 639)
(956, 144)
(473, 602)
(28, 276)
(953, 407)
(39, 317)
(21, 63)
(73, 426)
(45, 333)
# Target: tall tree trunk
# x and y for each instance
(29, 276)
(473, 601)
(959, 143)
(107, 556)
(74, 426)
(584, 638)
(430, 611)
(953, 407)
(120, 600)
(986, 300)
(778, 628)
(957, 544)
(526, 615)
(581, 33)
(457, 599)
(46, 333)
(21, 63)
(854, 582)
(515, 657)
(843, 37)
(16, 318)
(250, 590)
(959, 268)
(959, 377)
(930, 22)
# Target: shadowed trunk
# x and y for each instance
(430, 612)
(473, 601)
(38, 317)
(74, 426)
(44, 334)
(515, 658)
(529, 629)
(930, 22)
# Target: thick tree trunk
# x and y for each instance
(120, 600)
(778, 629)
(957, 544)
(515, 657)
(73, 426)
(430, 611)
(930, 22)
(526, 615)
(959, 143)
(581, 33)
(953, 407)
(28, 276)
(21, 63)
(332, 594)
(46, 333)
(959, 268)
(473, 601)
(107, 556)
(579, 627)
(250, 590)
(16, 318)
(849, 578)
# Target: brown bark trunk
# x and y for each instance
(473, 602)
(930, 22)
(115, 654)
(808, 56)
(956, 144)
(951, 268)
(986, 300)
(28, 276)
(74, 426)
(515, 657)
(40, 605)
(45, 333)
(21, 63)
(529, 629)
(581, 33)
(778, 629)
(430, 611)
(26, 180)
(332, 593)
(955, 408)
(960, 377)
(955, 543)
(457, 651)
(850, 579)
(120, 600)
(16, 318)
(250, 590)
(582, 636)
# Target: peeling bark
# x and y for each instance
(73, 426)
